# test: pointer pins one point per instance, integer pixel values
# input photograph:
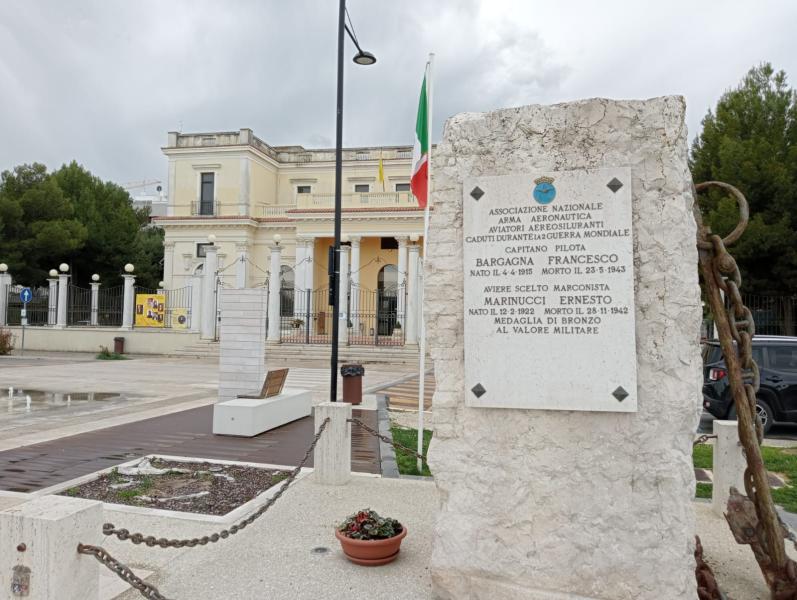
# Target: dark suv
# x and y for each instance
(777, 397)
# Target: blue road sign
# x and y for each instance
(25, 295)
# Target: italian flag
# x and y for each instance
(419, 184)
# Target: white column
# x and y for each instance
(729, 465)
(5, 283)
(309, 251)
(168, 264)
(63, 290)
(355, 284)
(332, 455)
(300, 265)
(52, 300)
(208, 323)
(411, 331)
(128, 301)
(401, 307)
(241, 266)
(343, 296)
(95, 301)
(274, 285)
(196, 302)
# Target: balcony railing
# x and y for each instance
(364, 200)
(205, 209)
(275, 211)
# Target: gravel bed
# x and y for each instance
(206, 488)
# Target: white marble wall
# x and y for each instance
(564, 505)
(242, 346)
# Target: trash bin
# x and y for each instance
(119, 345)
(352, 383)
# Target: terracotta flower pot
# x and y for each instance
(371, 553)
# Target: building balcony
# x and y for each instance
(205, 209)
(374, 200)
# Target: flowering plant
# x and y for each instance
(367, 524)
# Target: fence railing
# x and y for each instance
(110, 306)
(773, 315)
(78, 312)
(38, 309)
(205, 209)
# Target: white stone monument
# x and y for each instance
(565, 347)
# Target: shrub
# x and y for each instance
(367, 524)
(6, 341)
(106, 354)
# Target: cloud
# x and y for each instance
(103, 82)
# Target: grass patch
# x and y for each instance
(106, 354)
(73, 491)
(776, 460)
(407, 463)
(144, 485)
(704, 490)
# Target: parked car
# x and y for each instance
(777, 396)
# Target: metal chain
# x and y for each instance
(387, 440)
(150, 591)
(122, 570)
(703, 439)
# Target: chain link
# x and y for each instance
(387, 440)
(150, 591)
(122, 570)
(703, 439)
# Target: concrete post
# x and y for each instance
(241, 266)
(208, 322)
(343, 295)
(332, 456)
(63, 298)
(196, 303)
(274, 285)
(52, 300)
(50, 527)
(5, 283)
(729, 464)
(128, 301)
(95, 301)
(411, 331)
(355, 284)
(401, 303)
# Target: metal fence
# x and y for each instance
(375, 317)
(78, 312)
(38, 310)
(773, 315)
(110, 305)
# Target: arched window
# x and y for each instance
(387, 280)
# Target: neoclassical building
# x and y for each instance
(256, 198)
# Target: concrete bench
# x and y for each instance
(247, 417)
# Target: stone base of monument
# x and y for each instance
(246, 417)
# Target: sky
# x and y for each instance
(103, 81)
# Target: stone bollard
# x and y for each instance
(729, 464)
(38, 549)
(332, 457)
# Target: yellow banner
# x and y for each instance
(150, 310)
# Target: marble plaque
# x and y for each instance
(549, 291)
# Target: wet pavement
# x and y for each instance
(186, 433)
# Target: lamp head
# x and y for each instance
(277, 239)
(3, 267)
(161, 284)
(414, 238)
(53, 273)
(63, 267)
(212, 238)
(344, 238)
(364, 58)
(95, 278)
(129, 268)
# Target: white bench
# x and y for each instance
(248, 417)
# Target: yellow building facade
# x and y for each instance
(244, 192)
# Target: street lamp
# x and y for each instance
(361, 58)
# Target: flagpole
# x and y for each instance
(422, 345)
